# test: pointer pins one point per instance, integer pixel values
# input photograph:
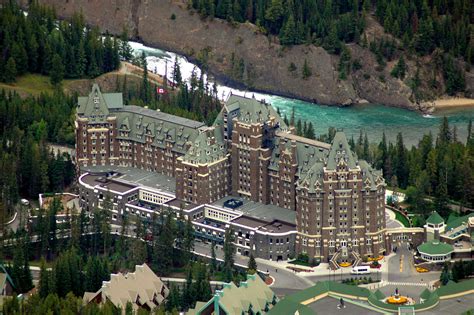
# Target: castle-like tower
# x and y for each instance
(251, 153)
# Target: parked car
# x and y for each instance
(360, 270)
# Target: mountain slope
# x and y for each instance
(239, 54)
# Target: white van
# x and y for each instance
(360, 270)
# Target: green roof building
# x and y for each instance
(250, 297)
(434, 226)
(435, 219)
(435, 251)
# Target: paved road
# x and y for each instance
(390, 219)
(283, 278)
(338, 276)
(401, 268)
(329, 305)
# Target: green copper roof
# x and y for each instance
(140, 122)
(340, 152)
(435, 247)
(238, 299)
(208, 147)
(98, 104)
(435, 218)
(290, 307)
(454, 222)
(252, 111)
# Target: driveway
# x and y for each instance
(284, 279)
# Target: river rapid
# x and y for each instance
(373, 119)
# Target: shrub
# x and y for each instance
(173, 16)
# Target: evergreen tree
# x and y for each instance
(125, 50)
(252, 265)
(188, 291)
(229, 250)
(400, 69)
(10, 71)
(145, 84)
(57, 70)
(306, 70)
(310, 131)
(445, 275)
(164, 245)
(213, 265)
(177, 79)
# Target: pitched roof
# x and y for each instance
(162, 127)
(340, 151)
(435, 218)
(290, 307)
(97, 105)
(454, 222)
(253, 111)
(253, 292)
(142, 287)
(208, 147)
(237, 299)
(435, 247)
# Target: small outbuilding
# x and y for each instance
(435, 251)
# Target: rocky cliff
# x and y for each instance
(241, 55)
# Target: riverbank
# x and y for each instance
(453, 102)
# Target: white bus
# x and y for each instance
(360, 270)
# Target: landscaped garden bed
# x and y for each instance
(304, 260)
(359, 281)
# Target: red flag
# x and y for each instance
(160, 91)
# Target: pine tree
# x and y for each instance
(213, 265)
(252, 264)
(145, 84)
(125, 50)
(310, 131)
(177, 73)
(10, 71)
(306, 70)
(445, 275)
(400, 69)
(366, 153)
(299, 130)
(188, 291)
(229, 250)
(57, 70)
(292, 118)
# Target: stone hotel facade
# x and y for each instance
(250, 153)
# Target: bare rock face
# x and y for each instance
(221, 45)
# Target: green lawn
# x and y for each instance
(402, 219)
(32, 84)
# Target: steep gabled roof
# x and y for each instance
(142, 286)
(98, 105)
(340, 152)
(253, 111)
(208, 147)
(435, 218)
(234, 299)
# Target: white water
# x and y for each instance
(162, 63)
(371, 119)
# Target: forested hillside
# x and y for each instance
(421, 27)
(398, 53)
(36, 42)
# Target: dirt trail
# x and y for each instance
(127, 68)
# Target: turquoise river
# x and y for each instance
(372, 119)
